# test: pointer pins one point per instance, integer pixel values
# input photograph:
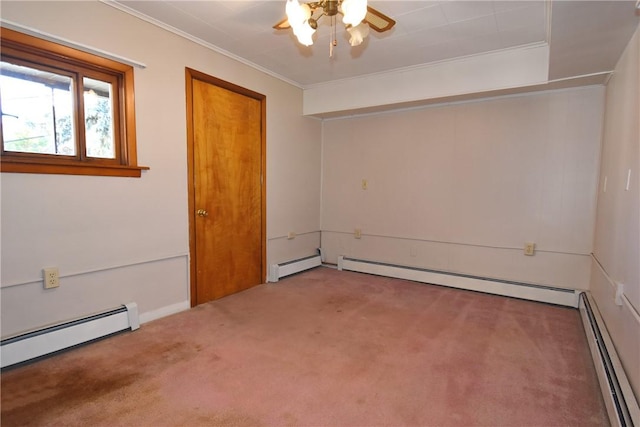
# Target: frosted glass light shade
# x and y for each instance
(298, 16)
(295, 13)
(304, 33)
(354, 11)
(358, 33)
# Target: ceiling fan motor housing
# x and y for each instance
(330, 7)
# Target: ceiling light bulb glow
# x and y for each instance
(358, 33)
(304, 33)
(354, 11)
(298, 16)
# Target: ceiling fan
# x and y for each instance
(358, 17)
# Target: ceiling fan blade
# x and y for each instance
(282, 25)
(378, 20)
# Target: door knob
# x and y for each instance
(202, 212)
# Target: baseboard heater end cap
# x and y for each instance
(134, 317)
(273, 273)
(278, 271)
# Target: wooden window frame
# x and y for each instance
(27, 49)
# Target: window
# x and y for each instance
(64, 111)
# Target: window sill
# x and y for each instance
(26, 166)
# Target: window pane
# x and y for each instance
(37, 109)
(98, 117)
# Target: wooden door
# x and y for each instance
(226, 140)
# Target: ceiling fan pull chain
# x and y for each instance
(332, 38)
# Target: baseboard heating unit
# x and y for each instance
(622, 406)
(41, 342)
(559, 296)
(278, 271)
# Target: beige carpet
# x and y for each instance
(325, 348)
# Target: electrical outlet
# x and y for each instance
(529, 249)
(51, 277)
(357, 233)
(291, 235)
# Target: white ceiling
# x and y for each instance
(585, 37)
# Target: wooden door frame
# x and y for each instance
(191, 74)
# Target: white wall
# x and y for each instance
(617, 236)
(462, 187)
(117, 240)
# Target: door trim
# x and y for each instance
(190, 75)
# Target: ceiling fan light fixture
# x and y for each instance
(353, 11)
(358, 33)
(299, 16)
(296, 12)
(304, 33)
(357, 17)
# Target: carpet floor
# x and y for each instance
(324, 348)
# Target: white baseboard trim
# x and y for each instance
(622, 406)
(547, 294)
(278, 271)
(51, 339)
(164, 311)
